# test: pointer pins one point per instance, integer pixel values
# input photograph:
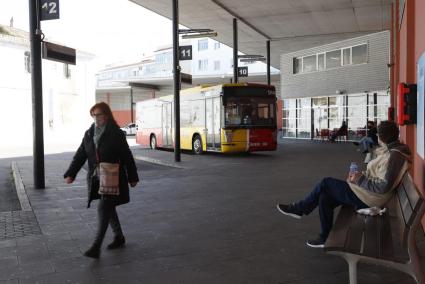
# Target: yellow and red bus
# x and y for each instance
(225, 118)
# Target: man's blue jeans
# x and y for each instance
(329, 194)
(366, 143)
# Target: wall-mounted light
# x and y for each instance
(252, 60)
(251, 57)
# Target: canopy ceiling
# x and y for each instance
(290, 25)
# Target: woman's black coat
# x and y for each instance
(112, 148)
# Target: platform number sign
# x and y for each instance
(243, 71)
(49, 10)
(185, 52)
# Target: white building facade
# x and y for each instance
(212, 63)
(68, 92)
(344, 81)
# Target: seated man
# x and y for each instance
(370, 140)
(372, 188)
(340, 132)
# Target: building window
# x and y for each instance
(309, 63)
(289, 118)
(321, 61)
(297, 65)
(202, 44)
(303, 118)
(66, 71)
(27, 61)
(300, 116)
(346, 56)
(163, 58)
(216, 45)
(217, 65)
(203, 65)
(359, 54)
(333, 59)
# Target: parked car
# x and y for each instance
(130, 129)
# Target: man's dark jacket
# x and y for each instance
(112, 148)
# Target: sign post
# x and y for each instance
(37, 95)
(176, 71)
(39, 10)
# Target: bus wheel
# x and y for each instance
(153, 142)
(197, 145)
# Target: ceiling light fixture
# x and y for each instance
(197, 33)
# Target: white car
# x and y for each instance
(130, 129)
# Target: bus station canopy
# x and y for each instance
(290, 25)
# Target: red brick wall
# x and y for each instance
(410, 46)
(419, 34)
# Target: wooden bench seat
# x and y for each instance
(387, 239)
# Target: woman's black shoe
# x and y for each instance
(118, 242)
(93, 252)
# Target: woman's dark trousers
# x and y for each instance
(329, 194)
(107, 215)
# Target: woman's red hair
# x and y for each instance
(104, 108)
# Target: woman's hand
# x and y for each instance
(133, 183)
(352, 177)
(69, 180)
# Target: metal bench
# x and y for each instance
(388, 239)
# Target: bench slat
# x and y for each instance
(386, 245)
(337, 237)
(372, 235)
(412, 193)
(355, 234)
(408, 213)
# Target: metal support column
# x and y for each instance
(235, 50)
(176, 70)
(37, 95)
(268, 63)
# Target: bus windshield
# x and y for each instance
(250, 111)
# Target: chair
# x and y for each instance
(324, 134)
(342, 136)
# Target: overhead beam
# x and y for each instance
(233, 14)
(319, 35)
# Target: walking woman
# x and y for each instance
(105, 143)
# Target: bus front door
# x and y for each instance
(213, 123)
(167, 124)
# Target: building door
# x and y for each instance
(167, 118)
(217, 123)
(213, 123)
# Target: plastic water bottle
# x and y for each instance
(353, 168)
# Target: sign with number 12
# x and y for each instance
(49, 10)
